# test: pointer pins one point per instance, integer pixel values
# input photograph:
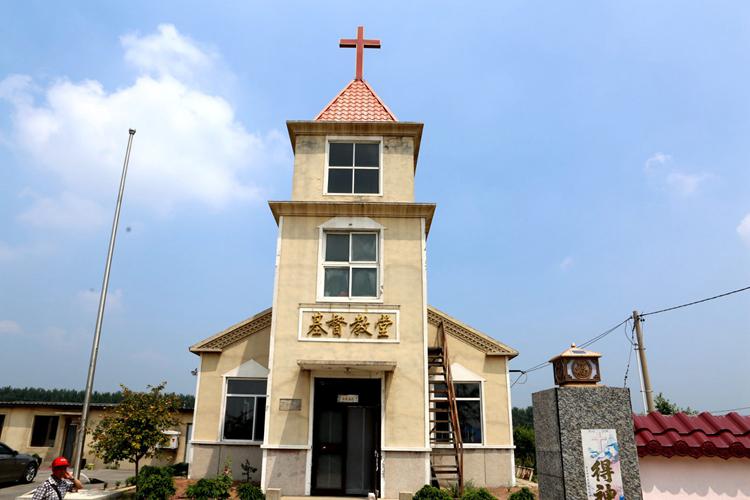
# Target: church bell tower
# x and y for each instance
(347, 412)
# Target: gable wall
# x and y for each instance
(211, 384)
(497, 429)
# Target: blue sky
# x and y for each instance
(587, 159)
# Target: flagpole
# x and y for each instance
(81, 437)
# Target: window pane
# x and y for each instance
(339, 180)
(470, 421)
(340, 154)
(44, 430)
(337, 247)
(337, 282)
(365, 181)
(364, 282)
(238, 418)
(367, 155)
(364, 247)
(464, 390)
(260, 418)
(238, 386)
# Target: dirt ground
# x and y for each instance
(504, 493)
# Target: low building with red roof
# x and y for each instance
(693, 456)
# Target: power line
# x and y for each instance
(630, 354)
(731, 409)
(524, 373)
(582, 346)
(696, 302)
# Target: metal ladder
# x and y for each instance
(446, 462)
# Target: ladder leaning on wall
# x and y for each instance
(447, 455)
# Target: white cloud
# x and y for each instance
(189, 146)
(8, 327)
(685, 184)
(661, 169)
(167, 52)
(743, 230)
(566, 263)
(656, 160)
(67, 211)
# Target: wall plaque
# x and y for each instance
(601, 464)
(290, 404)
(322, 324)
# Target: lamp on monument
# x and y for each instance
(576, 366)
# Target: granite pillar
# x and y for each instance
(559, 416)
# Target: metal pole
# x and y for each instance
(644, 365)
(100, 317)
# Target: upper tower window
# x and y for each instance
(353, 167)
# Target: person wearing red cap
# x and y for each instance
(59, 483)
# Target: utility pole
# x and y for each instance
(81, 438)
(649, 393)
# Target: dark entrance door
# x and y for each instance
(71, 429)
(346, 437)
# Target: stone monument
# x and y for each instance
(585, 446)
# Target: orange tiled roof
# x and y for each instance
(356, 103)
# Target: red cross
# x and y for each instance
(360, 44)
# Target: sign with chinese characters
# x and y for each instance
(348, 325)
(601, 464)
(348, 398)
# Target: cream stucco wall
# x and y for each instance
(211, 383)
(397, 171)
(686, 477)
(19, 421)
(402, 289)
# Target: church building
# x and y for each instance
(350, 383)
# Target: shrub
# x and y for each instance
(178, 469)
(428, 492)
(247, 491)
(477, 494)
(523, 494)
(217, 487)
(155, 483)
(130, 481)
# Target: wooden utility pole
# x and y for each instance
(644, 365)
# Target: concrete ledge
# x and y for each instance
(128, 492)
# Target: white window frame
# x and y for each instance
(226, 394)
(350, 225)
(354, 139)
(481, 409)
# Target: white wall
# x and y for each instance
(686, 477)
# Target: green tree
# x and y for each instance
(523, 417)
(666, 407)
(524, 439)
(133, 429)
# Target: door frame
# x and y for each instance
(353, 374)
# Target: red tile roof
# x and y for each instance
(704, 435)
(356, 103)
